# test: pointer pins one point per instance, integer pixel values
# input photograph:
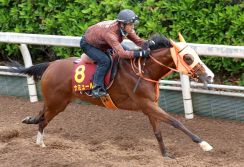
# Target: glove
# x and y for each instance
(148, 44)
(141, 53)
(151, 43)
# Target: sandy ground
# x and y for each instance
(90, 136)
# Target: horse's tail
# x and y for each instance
(36, 71)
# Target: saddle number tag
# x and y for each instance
(80, 73)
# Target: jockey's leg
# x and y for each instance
(103, 65)
(102, 68)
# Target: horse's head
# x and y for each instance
(188, 62)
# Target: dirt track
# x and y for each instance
(88, 136)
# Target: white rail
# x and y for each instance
(186, 93)
(71, 41)
(218, 50)
(30, 80)
(195, 84)
(38, 39)
(237, 91)
(224, 93)
(10, 73)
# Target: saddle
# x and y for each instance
(84, 70)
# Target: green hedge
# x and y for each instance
(205, 21)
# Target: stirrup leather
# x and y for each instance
(107, 102)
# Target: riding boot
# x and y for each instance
(98, 91)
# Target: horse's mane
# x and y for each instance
(160, 42)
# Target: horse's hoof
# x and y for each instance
(205, 146)
(167, 156)
(26, 120)
(42, 145)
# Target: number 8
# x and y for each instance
(80, 73)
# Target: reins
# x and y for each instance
(140, 74)
(138, 70)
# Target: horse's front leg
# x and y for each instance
(157, 132)
(161, 115)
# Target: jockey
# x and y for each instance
(108, 35)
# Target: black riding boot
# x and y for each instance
(98, 91)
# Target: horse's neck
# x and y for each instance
(156, 71)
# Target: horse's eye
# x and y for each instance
(189, 59)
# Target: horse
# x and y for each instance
(166, 56)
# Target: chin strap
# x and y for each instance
(122, 31)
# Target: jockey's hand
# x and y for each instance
(148, 44)
(146, 53)
(151, 43)
(142, 53)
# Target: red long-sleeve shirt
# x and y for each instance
(106, 35)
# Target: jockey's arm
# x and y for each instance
(136, 39)
(144, 44)
(117, 47)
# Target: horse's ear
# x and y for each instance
(174, 45)
(181, 38)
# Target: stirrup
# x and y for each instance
(99, 92)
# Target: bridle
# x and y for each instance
(138, 67)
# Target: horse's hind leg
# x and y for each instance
(34, 120)
(37, 120)
(40, 133)
(48, 114)
(157, 132)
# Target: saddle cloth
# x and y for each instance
(83, 72)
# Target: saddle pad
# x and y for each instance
(82, 76)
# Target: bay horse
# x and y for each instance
(166, 56)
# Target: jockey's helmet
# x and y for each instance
(127, 16)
